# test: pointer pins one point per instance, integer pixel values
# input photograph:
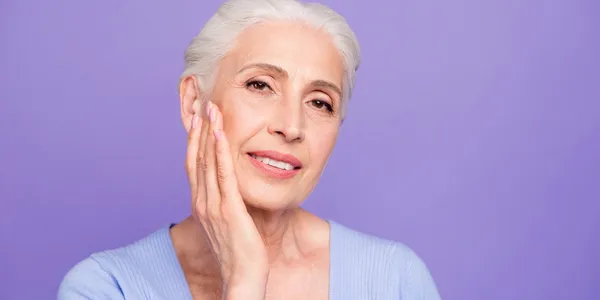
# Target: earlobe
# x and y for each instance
(189, 100)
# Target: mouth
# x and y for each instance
(275, 164)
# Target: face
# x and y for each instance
(279, 91)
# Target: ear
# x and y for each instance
(190, 96)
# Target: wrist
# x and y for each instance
(244, 292)
(249, 286)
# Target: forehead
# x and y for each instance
(301, 50)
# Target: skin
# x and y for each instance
(247, 238)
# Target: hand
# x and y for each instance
(218, 206)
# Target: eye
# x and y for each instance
(258, 85)
(320, 104)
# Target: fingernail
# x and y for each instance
(208, 107)
(212, 115)
(218, 134)
(195, 121)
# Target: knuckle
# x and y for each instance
(198, 205)
(200, 213)
(189, 166)
(190, 137)
(222, 174)
(201, 163)
(212, 214)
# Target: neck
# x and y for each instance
(286, 235)
(278, 231)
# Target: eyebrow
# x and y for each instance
(328, 85)
(319, 83)
(267, 67)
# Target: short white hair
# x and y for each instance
(219, 34)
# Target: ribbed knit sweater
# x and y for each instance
(361, 267)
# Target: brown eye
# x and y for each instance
(258, 85)
(320, 104)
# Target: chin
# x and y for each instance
(268, 197)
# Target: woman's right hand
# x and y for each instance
(218, 207)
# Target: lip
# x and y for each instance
(273, 171)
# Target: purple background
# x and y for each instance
(473, 137)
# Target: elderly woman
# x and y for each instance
(263, 95)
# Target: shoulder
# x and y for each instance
(110, 274)
(89, 279)
(383, 262)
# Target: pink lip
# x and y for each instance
(273, 171)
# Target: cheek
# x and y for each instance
(321, 145)
(241, 120)
(243, 111)
(240, 123)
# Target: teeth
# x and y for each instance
(273, 163)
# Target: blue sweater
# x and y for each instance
(361, 267)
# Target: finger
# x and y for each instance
(213, 195)
(200, 202)
(192, 151)
(201, 162)
(225, 172)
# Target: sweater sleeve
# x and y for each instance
(88, 280)
(418, 284)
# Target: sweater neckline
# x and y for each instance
(174, 269)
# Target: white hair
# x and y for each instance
(219, 34)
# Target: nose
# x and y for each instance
(287, 122)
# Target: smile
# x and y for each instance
(275, 164)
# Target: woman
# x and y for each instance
(263, 95)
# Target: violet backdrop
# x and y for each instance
(473, 137)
